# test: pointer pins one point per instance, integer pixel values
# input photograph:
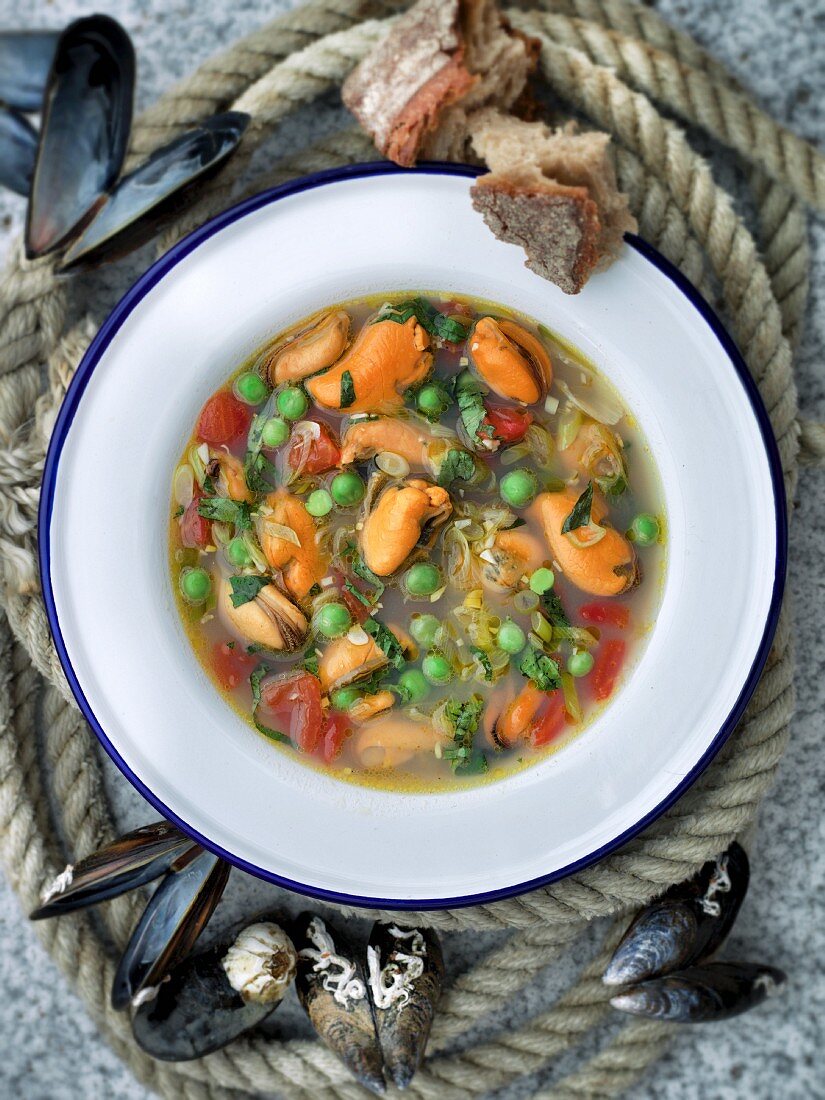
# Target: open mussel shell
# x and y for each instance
(332, 987)
(405, 973)
(685, 925)
(132, 860)
(174, 917)
(25, 61)
(18, 148)
(215, 996)
(87, 116)
(702, 993)
(156, 188)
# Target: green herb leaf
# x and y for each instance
(484, 660)
(437, 324)
(613, 486)
(553, 609)
(230, 645)
(473, 414)
(541, 669)
(261, 474)
(362, 570)
(246, 588)
(225, 510)
(255, 678)
(347, 390)
(456, 465)
(386, 641)
(268, 731)
(256, 675)
(310, 662)
(464, 717)
(350, 587)
(256, 647)
(580, 516)
(178, 512)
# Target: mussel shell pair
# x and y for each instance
(700, 994)
(75, 198)
(339, 997)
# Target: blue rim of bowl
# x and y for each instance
(104, 337)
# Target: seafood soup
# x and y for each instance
(417, 541)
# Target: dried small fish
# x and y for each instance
(701, 993)
(405, 971)
(332, 987)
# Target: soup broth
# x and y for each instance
(417, 541)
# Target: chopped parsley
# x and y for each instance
(255, 678)
(553, 609)
(471, 407)
(464, 717)
(541, 669)
(437, 324)
(178, 512)
(310, 662)
(386, 641)
(580, 516)
(225, 510)
(347, 390)
(246, 588)
(456, 465)
(484, 660)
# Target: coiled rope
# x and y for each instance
(623, 68)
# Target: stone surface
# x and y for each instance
(49, 1048)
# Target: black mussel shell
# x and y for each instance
(685, 925)
(197, 1010)
(87, 116)
(332, 987)
(702, 993)
(405, 974)
(174, 917)
(18, 148)
(154, 191)
(132, 860)
(25, 61)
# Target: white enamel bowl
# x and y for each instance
(176, 336)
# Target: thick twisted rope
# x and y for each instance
(679, 208)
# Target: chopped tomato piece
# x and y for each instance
(509, 425)
(613, 614)
(224, 420)
(324, 453)
(291, 704)
(337, 728)
(231, 664)
(195, 531)
(609, 661)
(551, 722)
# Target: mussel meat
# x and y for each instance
(332, 987)
(217, 995)
(686, 925)
(514, 554)
(270, 619)
(400, 519)
(131, 861)
(405, 971)
(25, 60)
(18, 148)
(512, 361)
(174, 917)
(313, 348)
(155, 188)
(289, 539)
(698, 994)
(391, 740)
(87, 116)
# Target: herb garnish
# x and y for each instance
(553, 609)
(362, 570)
(386, 641)
(580, 516)
(261, 474)
(225, 510)
(541, 669)
(310, 662)
(473, 414)
(347, 390)
(483, 659)
(255, 678)
(178, 512)
(246, 588)
(464, 717)
(437, 324)
(456, 465)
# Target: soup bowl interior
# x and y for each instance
(172, 341)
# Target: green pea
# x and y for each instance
(292, 403)
(275, 432)
(332, 620)
(347, 489)
(518, 487)
(424, 629)
(580, 663)
(414, 684)
(195, 584)
(437, 669)
(645, 529)
(542, 581)
(422, 579)
(343, 698)
(511, 637)
(319, 503)
(433, 400)
(237, 552)
(251, 388)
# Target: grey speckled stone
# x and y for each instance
(49, 1048)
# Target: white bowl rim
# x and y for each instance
(95, 352)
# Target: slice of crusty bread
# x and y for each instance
(441, 60)
(553, 192)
